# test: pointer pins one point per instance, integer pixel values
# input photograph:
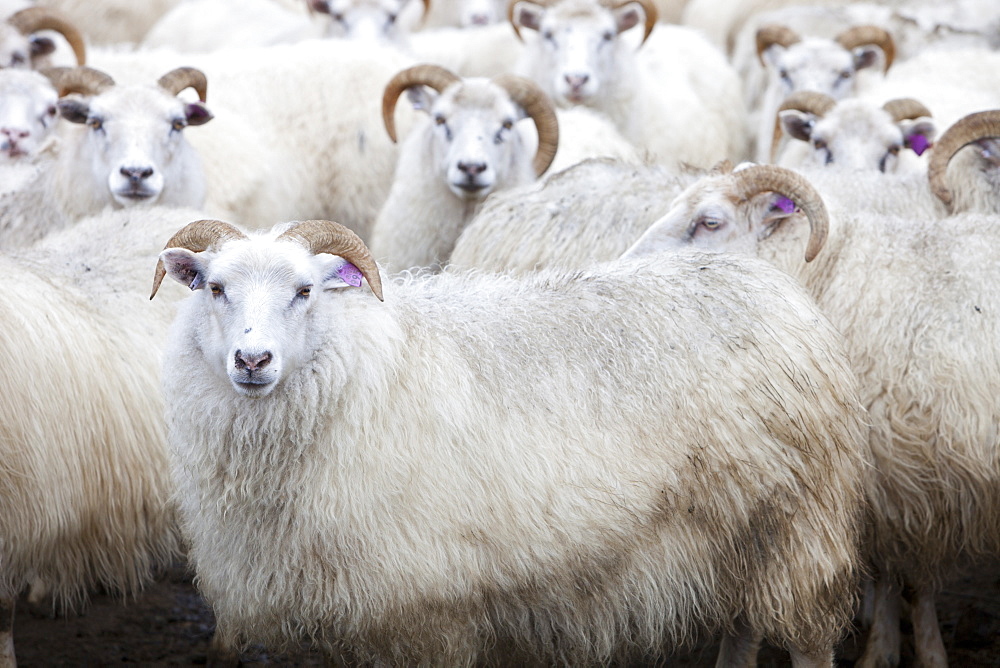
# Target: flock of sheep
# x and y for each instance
(561, 385)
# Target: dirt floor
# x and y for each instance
(169, 625)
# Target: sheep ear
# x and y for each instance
(338, 272)
(989, 150)
(627, 17)
(776, 208)
(74, 111)
(184, 266)
(41, 46)
(197, 113)
(421, 97)
(797, 124)
(528, 15)
(919, 134)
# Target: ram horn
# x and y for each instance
(905, 109)
(857, 36)
(965, 131)
(81, 80)
(178, 79)
(434, 76)
(324, 236)
(31, 20)
(771, 178)
(811, 102)
(774, 33)
(648, 8)
(199, 236)
(537, 105)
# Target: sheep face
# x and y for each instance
(472, 137)
(255, 303)
(365, 20)
(480, 12)
(21, 51)
(856, 135)
(28, 113)
(577, 45)
(816, 64)
(134, 146)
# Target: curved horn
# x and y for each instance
(434, 76)
(774, 33)
(811, 102)
(178, 79)
(199, 236)
(31, 20)
(648, 8)
(905, 108)
(537, 105)
(965, 131)
(764, 178)
(82, 80)
(324, 236)
(857, 36)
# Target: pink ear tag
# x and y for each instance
(785, 204)
(918, 143)
(350, 274)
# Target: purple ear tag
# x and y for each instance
(785, 204)
(918, 143)
(350, 274)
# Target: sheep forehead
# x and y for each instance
(137, 101)
(816, 55)
(856, 118)
(25, 82)
(479, 95)
(261, 260)
(576, 12)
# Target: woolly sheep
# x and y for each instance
(467, 147)
(585, 484)
(28, 114)
(24, 44)
(918, 301)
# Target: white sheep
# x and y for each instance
(28, 114)
(21, 45)
(126, 148)
(570, 468)
(109, 22)
(468, 146)
(918, 301)
(676, 97)
(968, 180)
(85, 476)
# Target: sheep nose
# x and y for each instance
(252, 362)
(577, 80)
(480, 19)
(136, 174)
(472, 168)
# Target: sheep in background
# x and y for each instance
(968, 180)
(130, 152)
(919, 303)
(21, 46)
(612, 459)
(677, 97)
(109, 22)
(467, 147)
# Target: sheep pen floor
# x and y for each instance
(170, 625)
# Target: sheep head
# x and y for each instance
(981, 129)
(28, 113)
(133, 137)
(735, 211)
(367, 20)
(263, 291)
(21, 47)
(472, 134)
(578, 46)
(855, 134)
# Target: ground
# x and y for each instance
(169, 625)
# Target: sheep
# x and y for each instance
(974, 184)
(853, 134)
(21, 46)
(791, 63)
(468, 147)
(85, 477)
(917, 300)
(130, 152)
(586, 484)
(28, 114)
(108, 22)
(581, 52)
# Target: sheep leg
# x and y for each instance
(822, 659)
(7, 659)
(739, 649)
(928, 645)
(882, 646)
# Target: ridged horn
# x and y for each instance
(965, 131)
(199, 236)
(434, 76)
(774, 33)
(539, 107)
(771, 178)
(178, 79)
(82, 80)
(31, 20)
(857, 36)
(324, 236)
(648, 8)
(809, 101)
(905, 109)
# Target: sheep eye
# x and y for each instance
(846, 74)
(216, 289)
(304, 292)
(338, 17)
(178, 124)
(439, 120)
(894, 149)
(95, 123)
(547, 35)
(710, 223)
(392, 18)
(51, 111)
(783, 73)
(607, 36)
(17, 59)
(508, 124)
(819, 144)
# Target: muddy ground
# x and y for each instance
(169, 625)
